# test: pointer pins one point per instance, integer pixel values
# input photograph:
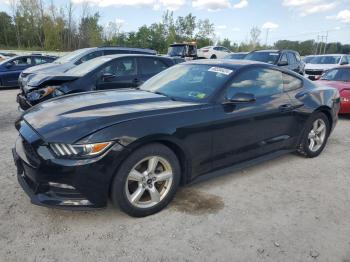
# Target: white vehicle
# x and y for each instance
(213, 52)
(320, 63)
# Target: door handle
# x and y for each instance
(286, 107)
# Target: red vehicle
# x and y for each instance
(339, 78)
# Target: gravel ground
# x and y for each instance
(288, 209)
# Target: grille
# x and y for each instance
(22, 103)
(314, 72)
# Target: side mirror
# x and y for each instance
(242, 98)
(107, 77)
(282, 63)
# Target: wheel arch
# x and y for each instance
(327, 111)
(170, 142)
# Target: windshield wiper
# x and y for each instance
(162, 94)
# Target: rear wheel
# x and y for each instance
(315, 136)
(213, 57)
(147, 181)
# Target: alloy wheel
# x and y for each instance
(149, 182)
(317, 135)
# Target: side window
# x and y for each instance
(120, 67)
(151, 66)
(89, 57)
(345, 60)
(23, 61)
(216, 48)
(112, 52)
(297, 56)
(258, 81)
(284, 59)
(291, 83)
(291, 59)
(39, 60)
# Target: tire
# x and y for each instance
(142, 191)
(305, 147)
(213, 57)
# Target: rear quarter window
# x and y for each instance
(291, 83)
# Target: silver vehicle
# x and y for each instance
(320, 63)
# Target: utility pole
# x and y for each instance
(267, 35)
(318, 42)
(325, 45)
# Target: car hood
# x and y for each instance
(69, 119)
(319, 66)
(48, 68)
(340, 85)
(39, 79)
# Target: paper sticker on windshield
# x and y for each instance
(220, 70)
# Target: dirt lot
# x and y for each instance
(288, 209)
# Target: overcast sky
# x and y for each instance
(285, 19)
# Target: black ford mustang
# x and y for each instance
(137, 146)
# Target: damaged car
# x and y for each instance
(106, 72)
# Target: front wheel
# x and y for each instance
(147, 181)
(315, 136)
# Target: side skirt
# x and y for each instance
(241, 166)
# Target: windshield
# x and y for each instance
(308, 59)
(235, 56)
(339, 74)
(189, 82)
(325, 60)
(267, 57)
(177, 50)
(84, 68)
(70, 56)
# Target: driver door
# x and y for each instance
(251, 129)
(120, 73)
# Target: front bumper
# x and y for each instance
(23, 103)
(62, 183)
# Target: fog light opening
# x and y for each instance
(59, 185)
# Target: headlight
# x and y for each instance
(79, 151)
(40, 93)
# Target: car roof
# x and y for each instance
(331, 55)
(135, 55)
(275, 50)
(126, 48)
(229, 63)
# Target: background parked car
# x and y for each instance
(320, 63)
(339, 78)
(213, 52)
(7, 54)
(186, 50)
(288, 59)
(239, 55)
(11, 68)
(107, 72)
(78, 57)
(2, 57)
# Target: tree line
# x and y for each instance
(38, 25)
